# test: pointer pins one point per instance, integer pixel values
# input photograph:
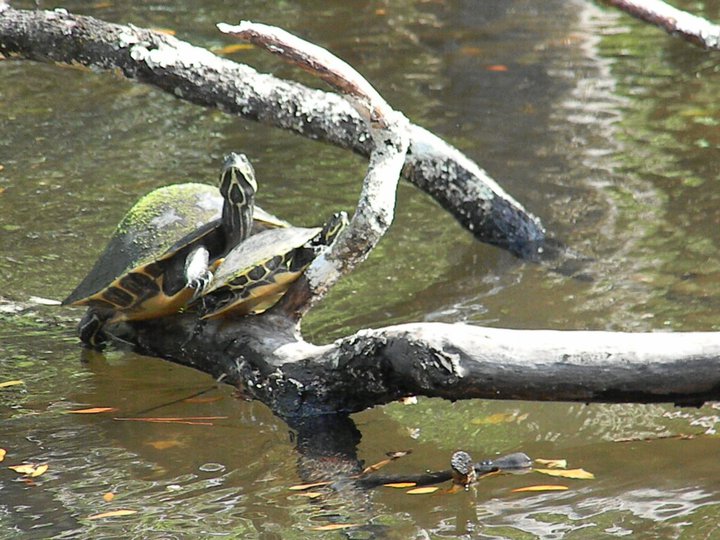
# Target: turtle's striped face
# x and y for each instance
(238, 187)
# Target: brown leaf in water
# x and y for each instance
(335, 527)
(164, 445)
(311, 494)
(92, 410)
(497, 67)
(576, 474)
(422, 490)
(3, 452)
(40, 469)
(113, 513)
(230, 49)
(29, 470)
(102, 5)
(540, 487)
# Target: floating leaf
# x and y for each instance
(113, 513)
(109, 496)
(2, 453)
(376, 466)
(38, 471)
(409, 400)
(164, 445)
(102, 5)
(552, 463)
(229, 49)
(577, 474)
(311, 494)
(335, 527)
(422, 490)
(540, 487)
(493, 419)
(302, 487)
(29, 470)
(497, 67)
(11, 383)
(400, 484)
(92, 410)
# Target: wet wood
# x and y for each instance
(268, 360)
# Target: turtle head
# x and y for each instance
(332, 228)
(238, 187)
(237, 170)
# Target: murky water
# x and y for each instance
(605, 128)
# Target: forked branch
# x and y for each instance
(390, 133)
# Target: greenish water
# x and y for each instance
(605, 128)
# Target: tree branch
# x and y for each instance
(452, 361)
(680, 23)
(389, 131)
(198, 76)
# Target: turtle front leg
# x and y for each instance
(90, 329)
(198, 273)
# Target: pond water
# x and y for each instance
(604, 127)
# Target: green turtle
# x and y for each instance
(256, 273)
(162, 251)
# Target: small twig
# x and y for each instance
(690, 27)
(316, 60)
(390, 132)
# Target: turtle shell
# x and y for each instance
(257, 272)
(161, 225)
(167, 223)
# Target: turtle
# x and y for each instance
(161, 253)
(256, 273)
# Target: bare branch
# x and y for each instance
(691, 28)
(389, 130)
(317, 61)
(453, 361)
(198, 76)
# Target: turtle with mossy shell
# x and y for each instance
(256, 273)
(162, 251)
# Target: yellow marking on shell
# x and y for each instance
(261, 297)
(155, 306)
